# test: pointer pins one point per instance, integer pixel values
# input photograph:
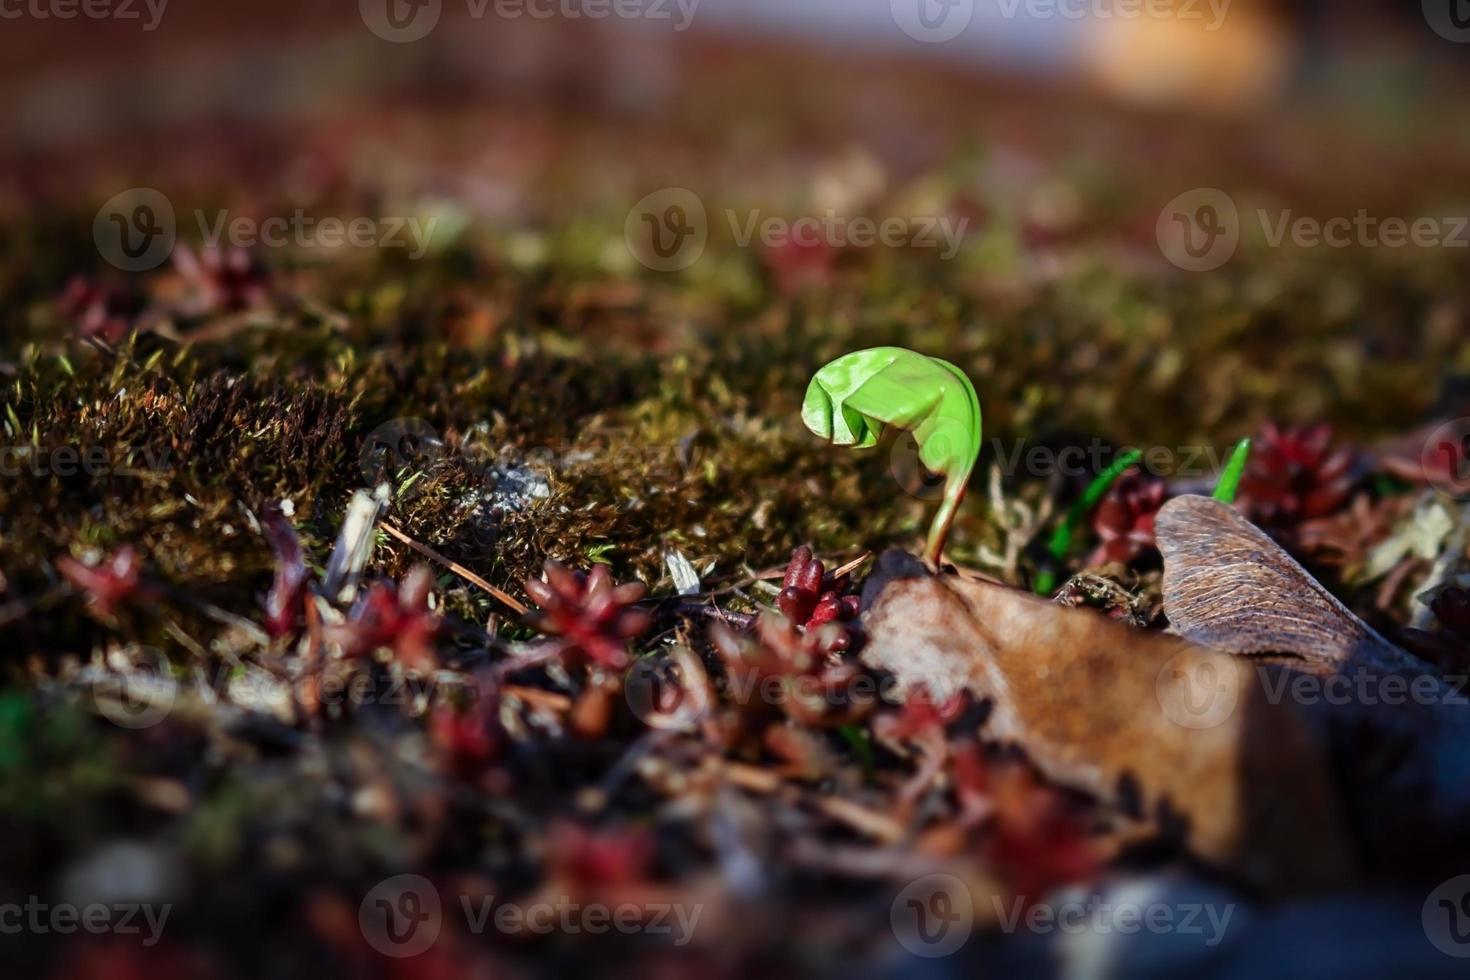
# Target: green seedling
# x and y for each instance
(1229, 484)
(1061, 539)
(850, 400)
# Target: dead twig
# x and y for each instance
(456, 568)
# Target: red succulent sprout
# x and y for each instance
(594, 619)
(124, 958)
(1036, 840)
(1124, 521)
(799, 265)
(221, 279)
(106, 311)
(396, 618)
(588, 859)
(469, 737)
(1294, 475)
(796, 669)
(923, 714)
(110, 583)
(288, 589)
(811, 600)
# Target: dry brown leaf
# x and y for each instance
(1168, 731)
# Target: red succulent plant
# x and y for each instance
(221, 279)
(1124, 521)
(469, 737)
(288, 589)
(594, 619)
(97, 309)
(781, 666)
(1037, 840)
(798, 265)
(395, 617)
(109, 583)
(811, 600)
(1295, 475)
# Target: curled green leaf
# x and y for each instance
(850, 400)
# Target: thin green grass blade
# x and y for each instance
(1229, 485)
(1061, 539)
